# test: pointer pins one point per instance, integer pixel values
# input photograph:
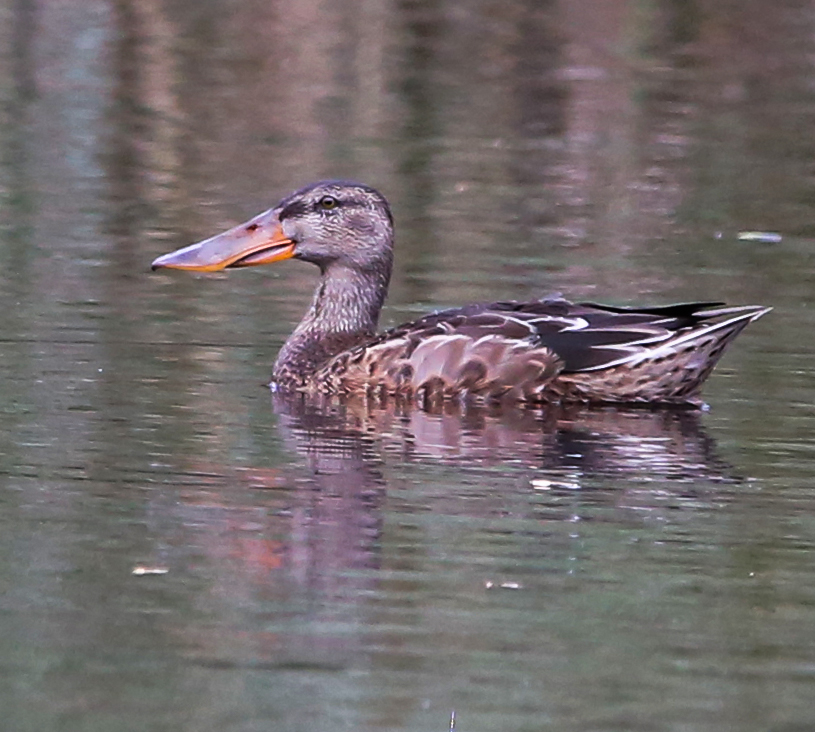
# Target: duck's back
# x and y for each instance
(545, 350)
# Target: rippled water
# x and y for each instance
(334, 566)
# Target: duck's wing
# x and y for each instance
(646, 355)
(521, 349)
(482, 349)
(592, 337)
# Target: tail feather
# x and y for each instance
(671, 372)
(723, 330)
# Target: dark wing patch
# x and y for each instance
(583, 335)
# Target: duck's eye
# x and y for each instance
(328, 202)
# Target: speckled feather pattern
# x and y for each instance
(544, 351)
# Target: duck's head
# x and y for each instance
(327, 223)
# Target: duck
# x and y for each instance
(541, 351)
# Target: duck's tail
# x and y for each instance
(670, 371)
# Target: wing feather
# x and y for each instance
(519, 348)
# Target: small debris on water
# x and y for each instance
(142, 571)
(761, 237)
(545, 484)
(489, 584)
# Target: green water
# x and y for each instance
(341, 567)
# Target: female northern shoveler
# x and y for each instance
(540, 351)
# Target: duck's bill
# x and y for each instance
(258, 241)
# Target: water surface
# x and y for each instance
(340, 566)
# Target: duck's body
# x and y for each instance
(541, 351)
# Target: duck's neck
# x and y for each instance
(344, 313)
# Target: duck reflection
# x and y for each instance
(318, 545)
(636, 445)
(520, 458)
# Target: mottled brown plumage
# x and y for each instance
(540, 351)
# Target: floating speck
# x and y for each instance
(761, 237)
(489, 585)
(545, 484)
(142, 571)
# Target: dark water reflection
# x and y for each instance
(336, 566)
(401, 565)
